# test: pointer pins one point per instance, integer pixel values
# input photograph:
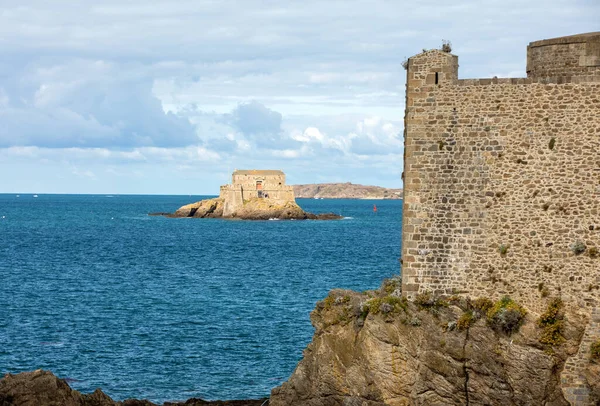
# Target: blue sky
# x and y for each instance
(164, 97)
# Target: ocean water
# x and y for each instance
(97, 291)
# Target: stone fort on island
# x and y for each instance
(249, 184)
(502, 184)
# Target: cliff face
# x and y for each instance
(378, 349)
(345, 191)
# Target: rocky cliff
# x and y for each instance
(345, 191)
(376, 348)
(252, 209)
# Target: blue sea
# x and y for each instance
(97, 291)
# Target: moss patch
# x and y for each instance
(428, 301)
(595, 350)
(506, 316)
(551, 321)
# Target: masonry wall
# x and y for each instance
(491, 208)
(273, 185)
(565, 57)
(244, 187)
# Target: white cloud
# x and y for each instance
(61, 107)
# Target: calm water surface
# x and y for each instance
(95, 290)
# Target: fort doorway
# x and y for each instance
(259, 188)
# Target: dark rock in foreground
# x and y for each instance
(42, 388)
(253, 209)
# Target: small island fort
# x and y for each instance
(255, 184)
(252, 195)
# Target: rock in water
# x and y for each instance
(42, 388)
(252, 195)
(252, 209)
(265, 209)
(201, 209)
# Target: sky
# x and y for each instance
(169, 97)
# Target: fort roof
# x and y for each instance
(257, 172)
(569, 39)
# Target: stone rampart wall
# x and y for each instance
(502, 183)
(577, 55)
(250, 180)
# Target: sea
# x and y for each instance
(105, 296)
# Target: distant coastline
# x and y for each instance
(345, 191)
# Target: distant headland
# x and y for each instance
(345, 191)
(252, 195)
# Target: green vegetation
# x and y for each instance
(391, 285)
(578, 247)
(385, 305)
(482, 305)
(506, 315)
(544, 291)
(336, 309)
(333, 300)
(427, 301)
(595, 350)
(466, 320)
(473, 311)
(503, 249)
(551, 321)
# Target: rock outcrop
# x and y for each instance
(212, 208)
(252, 209)
(376, 349)
(345, 191)
(42, 388)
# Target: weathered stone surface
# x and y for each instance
(252, 209)
(203, 208)
(42, 388)
(419, 357)
(265, 209)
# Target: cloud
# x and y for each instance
(349, 135)
(253, 119)
(192, 155)
(374, 136)
(58, 109)
(315, 88)
(260, 125)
